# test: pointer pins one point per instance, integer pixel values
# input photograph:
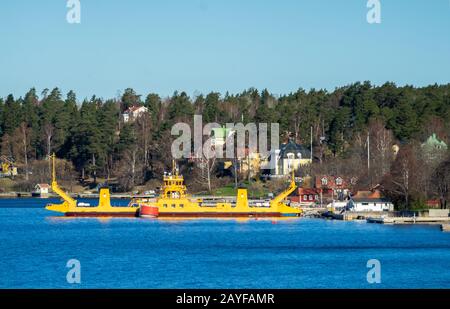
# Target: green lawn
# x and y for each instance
(229, 190)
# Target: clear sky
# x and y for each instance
(218, 45)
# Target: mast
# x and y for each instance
(53, 168)
(55, 187)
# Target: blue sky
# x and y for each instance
(218, 45)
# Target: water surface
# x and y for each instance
(35, 246)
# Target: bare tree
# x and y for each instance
(25, 135)
(5, 149)
(381, 142)
(143, 124)
(402, 180)
(128, 167)
(48, 135)
(204, 167)
(441, 182)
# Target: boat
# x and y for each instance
(72, 208)
(175, 202)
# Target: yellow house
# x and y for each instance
(252, 162)
(7, 168)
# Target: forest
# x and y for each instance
(93, 143)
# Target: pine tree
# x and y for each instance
(87, 139)
(404, 122)
(180, 108)
(153, 103)
(30, 112)
(130, 98)
(211, 108)
(2, 107)
(12, 115)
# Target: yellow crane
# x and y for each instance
(70, 207)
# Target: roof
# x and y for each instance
(43, 185)
(134, 108)
(336, 182)
(434, 142)
(301, 191)
(296, 149)
(368, 194)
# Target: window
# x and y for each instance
(310, 197)
(324, 181)
(365, 204)
(174, 206)
(165, 205)
(305, 197)
(181, 205)
(339, 181)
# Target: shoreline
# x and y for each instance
(25, 195)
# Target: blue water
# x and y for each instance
(35, 246)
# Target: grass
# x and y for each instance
(254, 190)
(227, 190)
(6, 184)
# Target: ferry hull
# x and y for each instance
(149, 211)
(221, 215)
(103, 214)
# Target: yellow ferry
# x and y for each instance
(175, 202)
(72, 208)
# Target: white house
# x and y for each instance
(337, 206)
(41, 190)
(290, 157)
(133, 113)
(370, 204)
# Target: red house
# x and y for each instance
(336, 186)
(306, 196)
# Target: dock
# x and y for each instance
(431, 216)
(408, 220)
(350, 215)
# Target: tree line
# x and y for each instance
(91, 136)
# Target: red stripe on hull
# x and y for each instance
(220, 215)
(149, 211)
(102, 214)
